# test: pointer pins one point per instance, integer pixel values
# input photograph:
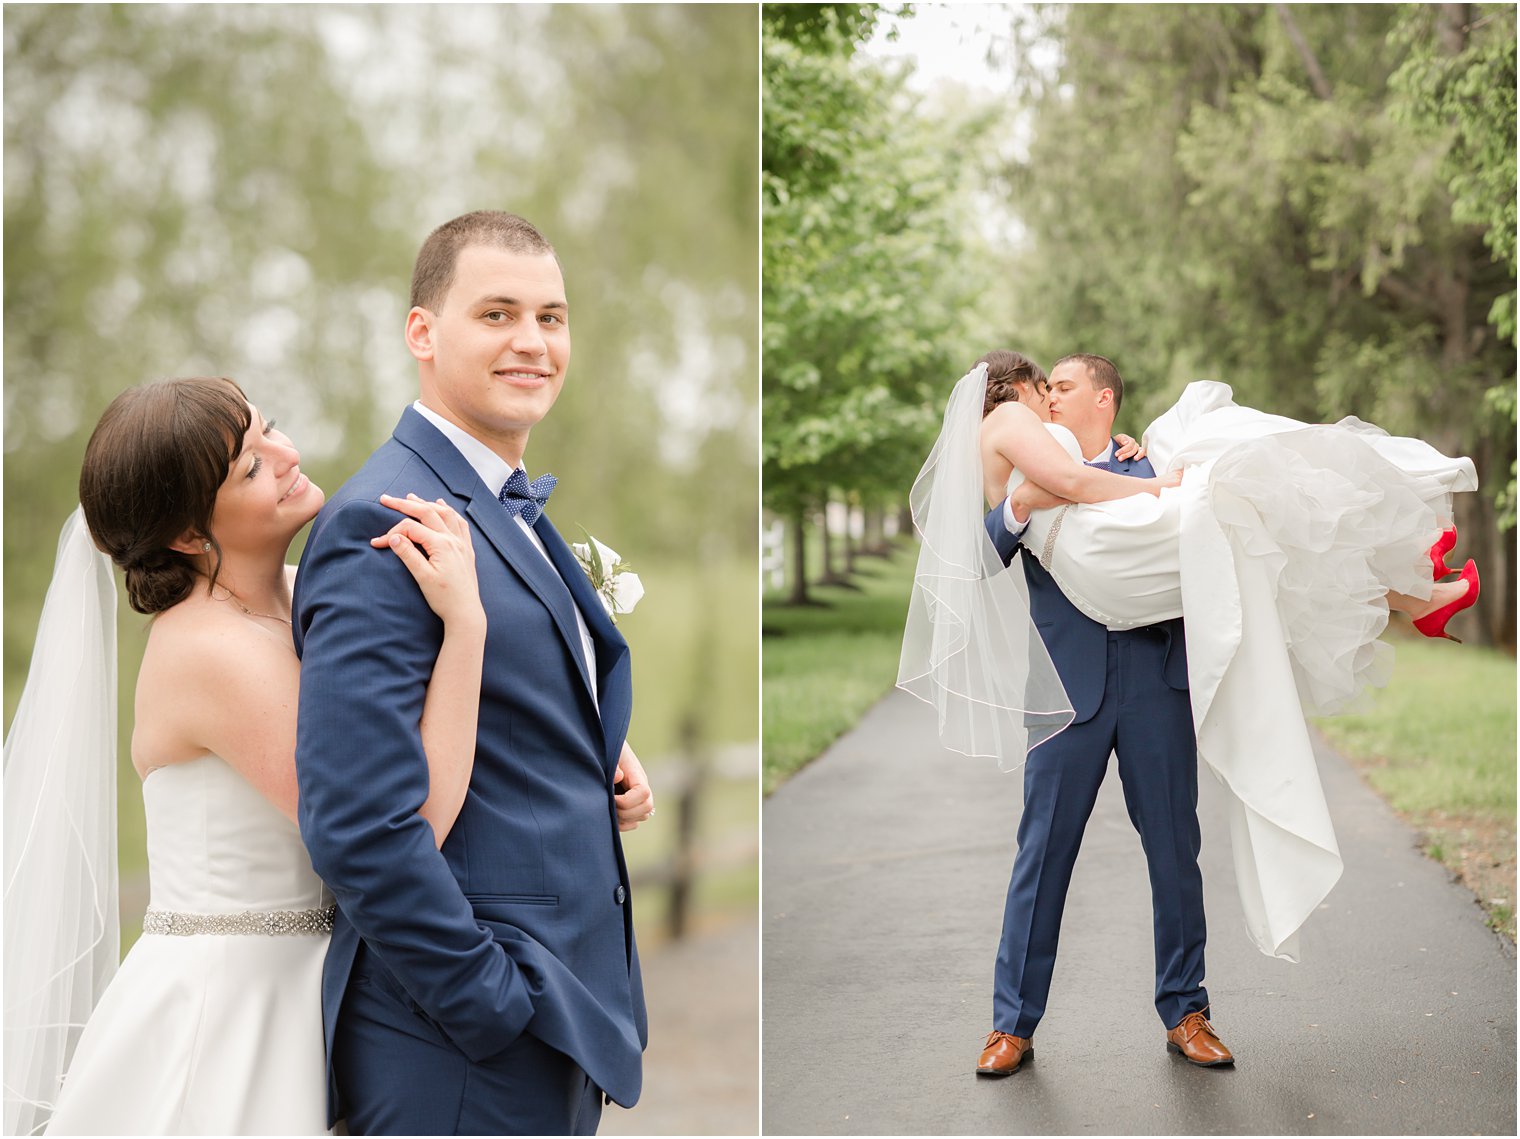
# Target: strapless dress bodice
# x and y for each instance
(216, 846)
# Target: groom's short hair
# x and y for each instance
(434, 271)
(1102, 372)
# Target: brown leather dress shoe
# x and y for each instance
(1198, 1043)
(1003, 1054)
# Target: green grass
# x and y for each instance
(825, 666)
(1440, 747)
(1442, 737)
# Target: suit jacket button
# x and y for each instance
(619, 895)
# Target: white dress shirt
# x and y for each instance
(494, 472)
(1017, 528)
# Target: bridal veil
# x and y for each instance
(62, 937)
(970, 647)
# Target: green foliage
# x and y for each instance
(1467, 97)
(1205, 204)
(821, 27)
(1458, 85)
(868, 268)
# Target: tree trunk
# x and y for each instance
(905, 519)
(830, 575)
(1504, 632)
(1491, 620)
(1451, 26)
(875, 541)
(851, 546)
(799, 594)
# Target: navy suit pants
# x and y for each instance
(400, 1075)
(1149, 725)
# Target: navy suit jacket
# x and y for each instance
(1077, 644)
(520, 923)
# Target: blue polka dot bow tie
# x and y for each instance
(520, 496)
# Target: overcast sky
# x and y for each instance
(947, 42)
(948, 45)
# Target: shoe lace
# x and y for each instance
(1194, 1023)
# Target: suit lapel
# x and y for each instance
(611, 648)
(499, 528)
(1135, 468)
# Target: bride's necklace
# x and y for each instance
(232, 597)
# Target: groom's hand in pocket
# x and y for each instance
(635, 803)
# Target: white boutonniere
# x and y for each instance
(616, 585)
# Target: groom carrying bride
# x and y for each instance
(1129, 693)
(489, 983)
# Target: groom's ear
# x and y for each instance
(419, 333)
(1105, 398)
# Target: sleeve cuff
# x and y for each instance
(1010, 523)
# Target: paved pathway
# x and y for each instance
(701, 1073)
(886, 864)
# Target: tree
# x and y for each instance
(1458, 82)
(866, 281)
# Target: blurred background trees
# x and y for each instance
(240, 190)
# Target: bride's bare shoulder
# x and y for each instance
(203, 661)
(199, 638)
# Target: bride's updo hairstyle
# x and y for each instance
(151, 472)
(1005, 372)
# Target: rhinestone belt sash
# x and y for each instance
(250, 922)
(1050, 537)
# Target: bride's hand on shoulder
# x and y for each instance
(1128, 448)
(433, 542)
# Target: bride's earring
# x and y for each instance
(205, 547)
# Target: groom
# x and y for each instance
(1129, 691)
(492, 986)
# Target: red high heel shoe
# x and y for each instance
(1444, 545)
(1433, 624)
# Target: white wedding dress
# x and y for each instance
(209, 1027)
(1277, 549)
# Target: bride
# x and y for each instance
(1284, 545)
(213, 1024)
